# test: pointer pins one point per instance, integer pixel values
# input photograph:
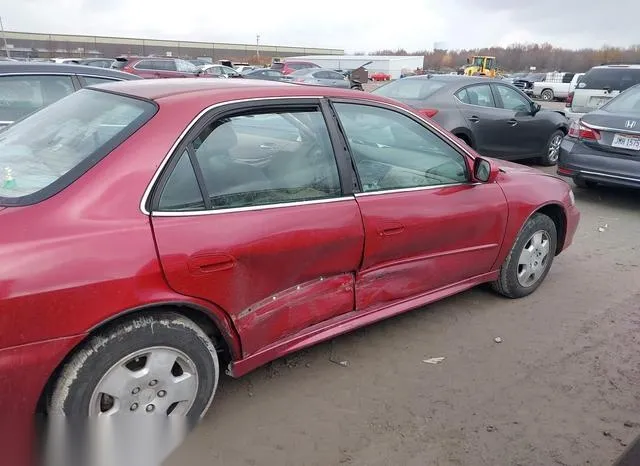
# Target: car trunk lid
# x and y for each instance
(618, 133)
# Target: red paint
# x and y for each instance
(273, 280)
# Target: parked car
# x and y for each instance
(380, 76)
(526, 84)
(157, 67)
(318, 77)
(199, 63)
(242, 69)
(27, 87)
(289, 66)
(554, 87)
(74, 61)
(493, 117)
(219, 71)
(575, 81)
(603, 147)
(264, 73)
(133, 271)
(98, 62)
(598, 86)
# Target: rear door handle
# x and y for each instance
(512, 122)
(208, 263)
(391, 229)
(474, 119)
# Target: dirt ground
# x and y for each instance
(561, 388)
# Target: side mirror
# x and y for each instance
(535, 108)
(484, 171)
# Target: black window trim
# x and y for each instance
(83, 167)
(151, 199)
(468, 158)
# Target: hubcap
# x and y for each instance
(153, 380)
(554, 148)
(533, 259)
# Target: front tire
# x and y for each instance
(552, 151)
(530, 258)
(582, 183)
(161, 364)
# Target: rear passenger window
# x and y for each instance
(262, 159)
(462, 96)
(182, 193)
(22, 95)
(480, 95)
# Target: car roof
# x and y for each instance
(635, 67)
(222, 90)
(459, 80)
(61, 68)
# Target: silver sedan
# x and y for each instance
(318, 77)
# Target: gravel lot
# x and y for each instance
(561, 388)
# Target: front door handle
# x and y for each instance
(512, 122)
(474, 119)
(208, 263)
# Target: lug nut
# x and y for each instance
(135, 391)
(153, 383)
(162, 393)
(150, 408)
(134, 406)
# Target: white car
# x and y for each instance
(598, 86)
(555, 86)
(219, 71)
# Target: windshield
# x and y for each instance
(410, 89)
(478, 61)
(51, 148)
(628, 102)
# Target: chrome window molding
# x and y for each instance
(447, 138)
(606, 175)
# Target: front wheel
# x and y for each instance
(530, 258)
(552, 152)
(162, 364)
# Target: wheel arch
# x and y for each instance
(556, 213)
(465, 134)
(223, 335)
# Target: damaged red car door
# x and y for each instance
(252, 218)
(427, 225)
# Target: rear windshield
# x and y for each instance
(618, 79)
(628, 102)
(48, 150)
(410, 89)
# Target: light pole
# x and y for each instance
(4, 37)
(258, 46)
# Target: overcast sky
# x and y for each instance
(352, 25)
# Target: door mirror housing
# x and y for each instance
(484, 170)
(535, 108)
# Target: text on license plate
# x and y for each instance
(626, 142)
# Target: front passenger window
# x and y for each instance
(393, 151)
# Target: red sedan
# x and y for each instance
(157, 232)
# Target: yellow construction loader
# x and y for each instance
(481, 66)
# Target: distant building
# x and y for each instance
(393, 65)
(35, 45)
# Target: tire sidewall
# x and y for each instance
(74, 388)
(509, 272)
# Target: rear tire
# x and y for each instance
(583, 184)
(527, 264)
(135, 354)
(547, 95)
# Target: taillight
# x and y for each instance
(581, 131)
(428, 112)
(569, 99)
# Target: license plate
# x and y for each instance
(626, 142)
(597, 102)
